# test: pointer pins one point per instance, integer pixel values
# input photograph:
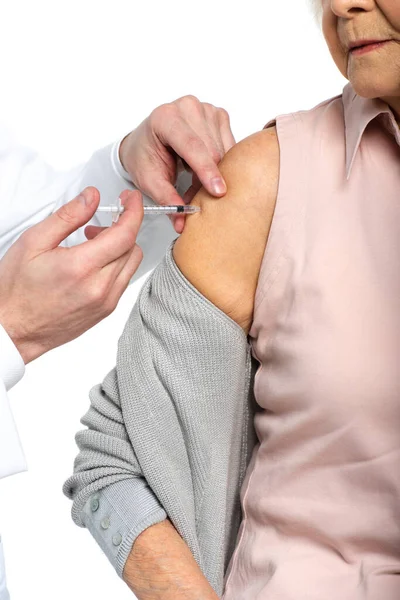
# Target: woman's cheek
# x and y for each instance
(333, 43)
(340, 60)
(391, 10)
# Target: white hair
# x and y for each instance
(316, 6)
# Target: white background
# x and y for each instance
(75, 75)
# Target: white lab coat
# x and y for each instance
(30, 190)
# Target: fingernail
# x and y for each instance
(125, 195)
(85, 198)
(218, 185)
(179, 224)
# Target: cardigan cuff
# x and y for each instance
(117, 515)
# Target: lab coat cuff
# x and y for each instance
(117, 515)
(4, 595)
(117, 164)
(124, 175)
(12, 458)
(12, 367)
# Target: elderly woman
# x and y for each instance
(308, 267)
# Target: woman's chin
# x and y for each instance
(373, 87)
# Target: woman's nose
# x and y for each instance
(348, 8)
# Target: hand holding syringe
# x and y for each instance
(117, 209)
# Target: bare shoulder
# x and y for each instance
(222, 247)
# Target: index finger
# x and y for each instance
(163, 192)
(227, 136)
(115, 241)
(189, 146)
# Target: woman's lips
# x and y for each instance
(366, 47)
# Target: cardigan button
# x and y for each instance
(94, 504)
(117, 539)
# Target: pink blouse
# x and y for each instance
(321, 498)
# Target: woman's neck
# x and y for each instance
(394, 103)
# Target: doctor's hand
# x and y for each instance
(50, 295)
(183, 134)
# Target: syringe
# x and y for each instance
(117, 209)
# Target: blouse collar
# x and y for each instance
(358, 114)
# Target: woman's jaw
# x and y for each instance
(363, 37)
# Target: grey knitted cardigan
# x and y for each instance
(177, 413)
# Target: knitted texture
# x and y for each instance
(121, 511)
(177, 410)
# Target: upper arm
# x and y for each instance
(221, 248)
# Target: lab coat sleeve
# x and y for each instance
(4, 595)
(30, 190)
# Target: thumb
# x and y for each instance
(67, 219)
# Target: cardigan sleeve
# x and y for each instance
(111, 497)
(170, 428)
